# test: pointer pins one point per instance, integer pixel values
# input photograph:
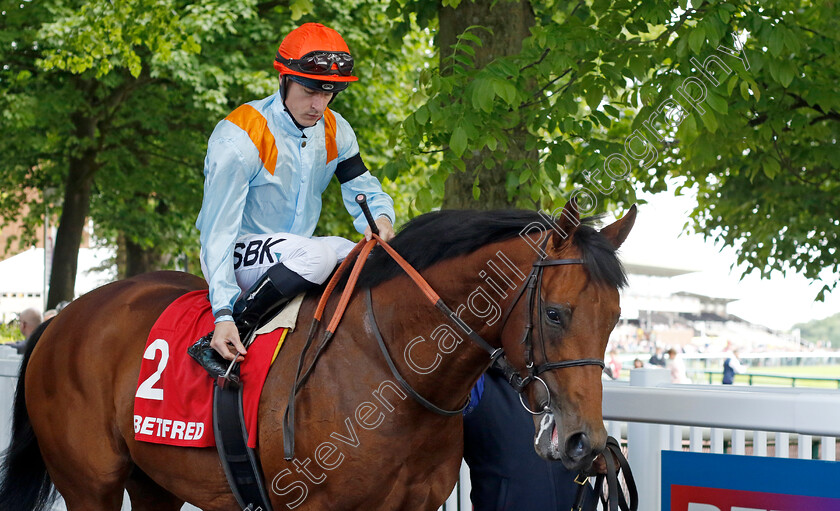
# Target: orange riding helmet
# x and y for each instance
(316, 57)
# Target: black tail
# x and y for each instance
(25, 484)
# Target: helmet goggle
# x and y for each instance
(320, 63)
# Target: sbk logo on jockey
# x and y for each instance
(256, 252)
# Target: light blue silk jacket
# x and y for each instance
(242, 196)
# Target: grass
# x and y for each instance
(818, 371)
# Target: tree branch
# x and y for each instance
(542, 57)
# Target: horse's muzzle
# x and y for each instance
(576, 452)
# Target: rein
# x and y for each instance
(613, 498)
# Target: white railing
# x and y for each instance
(657, 416)
(648, 415)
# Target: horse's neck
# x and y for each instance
(442, 362)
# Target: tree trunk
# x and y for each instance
(133, 259)
(74, 211)
(510, 23)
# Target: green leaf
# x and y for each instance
(731, 85)
(786, 73)
(773, 67)
(476, 191)
(594, 97)
(791, 41)
(437, 181)
(755, 90)
(770, 166)
(776, 43)
(639, 66)
(458, 141)
(689, 126)
(469, 36)
(710, 121)
(299, 8)
(483, 95)
(463, 59)
(421, 115)
(424, 199)
(745, 91)
(717, 103)
(505, 90)
(613, 111)
(697, 38)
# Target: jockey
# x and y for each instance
(267, 164)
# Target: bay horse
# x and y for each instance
(361, 443)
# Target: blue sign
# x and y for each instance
(695, 481)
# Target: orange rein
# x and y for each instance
(361, 252)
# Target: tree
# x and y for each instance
(112, 105)
(825, 330)
(733, 98)
(460, 103)
(69, 77)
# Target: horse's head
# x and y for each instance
(573, 310)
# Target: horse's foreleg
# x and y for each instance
(89, 495)
(147, 495)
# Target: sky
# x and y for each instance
(778, 302)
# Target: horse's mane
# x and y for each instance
(441, 235)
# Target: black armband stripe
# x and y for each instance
(350, 169)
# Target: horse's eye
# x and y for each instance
(554, 315)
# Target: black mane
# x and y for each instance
(441, 235)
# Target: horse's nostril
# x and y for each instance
(578, 446)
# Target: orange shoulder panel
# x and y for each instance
(255, 125)
(329, 135)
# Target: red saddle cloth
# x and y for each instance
(173, 404)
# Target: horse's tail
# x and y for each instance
(25, 484)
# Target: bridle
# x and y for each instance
(498, 359)
(533, 284)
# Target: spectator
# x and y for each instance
(614, 366)
(505, 471)
(677, 366)
(638, 364)
(731, 367)
(50, 314)
(29, 320)
(657, 359)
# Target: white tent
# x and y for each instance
(22, 278)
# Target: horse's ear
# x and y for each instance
(567, 222)
(617, 231)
